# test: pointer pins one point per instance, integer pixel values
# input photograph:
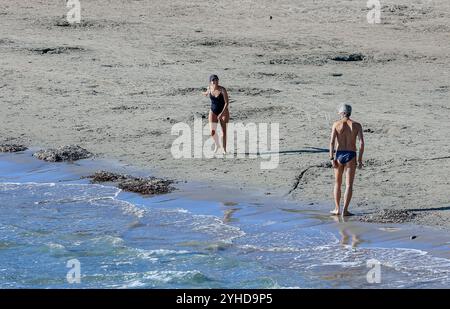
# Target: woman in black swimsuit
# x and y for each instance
(219, 111)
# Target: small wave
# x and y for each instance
(173, 276)
(289, 240)
(127, 207)
(44, 193)
(419, 266)
(157, 278)
(268, 249)
(154, 255)
(53, 245)
(216, 227)
(163, 252)
(108, 239)
(133, 284)
(177, 220)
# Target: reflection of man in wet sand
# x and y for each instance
(346, 232)
(345, 131)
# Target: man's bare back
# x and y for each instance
(347, 131)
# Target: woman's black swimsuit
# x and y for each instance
(217, 103)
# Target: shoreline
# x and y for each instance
(251, 189)
(412, 235)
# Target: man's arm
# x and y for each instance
(332, 141)
(361, 146)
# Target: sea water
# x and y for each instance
(200, 236)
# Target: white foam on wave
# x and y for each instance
(314, 250)
(126, 207)
(418, 265)
(293, 240)
(154, 255)
(107, 196)
(156, 278)
(164, 252)
(182, 210)
(167, 276)
(183, 220)
(269, 249)
(53, 245)
(132, 284)
(111, 240)
(77, 192)
(214, 226)
(94, 194)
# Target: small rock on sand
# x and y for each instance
(12, 148)
(63, 153)
(142, 185)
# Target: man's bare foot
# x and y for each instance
(216, 149)
(335, 212)
(347, 213)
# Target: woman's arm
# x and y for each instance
(206, 92)
(225, 98)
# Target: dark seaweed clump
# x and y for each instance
(142, 185)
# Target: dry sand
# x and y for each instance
(116, 84)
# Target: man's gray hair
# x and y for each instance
(345, 109)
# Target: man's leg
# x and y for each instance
(350, 170)
(338, 171)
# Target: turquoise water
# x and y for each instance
(200, 236)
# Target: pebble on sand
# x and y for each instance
(63, 153)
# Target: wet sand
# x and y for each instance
(118, 82)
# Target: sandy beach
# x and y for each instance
(117, 82)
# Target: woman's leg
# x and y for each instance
(223, 123)
(212, 118)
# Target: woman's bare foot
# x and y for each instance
(335, 212)
(347, 213)
(219, 152)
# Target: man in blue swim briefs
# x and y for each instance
(345, 131)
